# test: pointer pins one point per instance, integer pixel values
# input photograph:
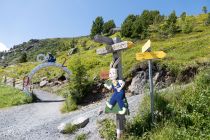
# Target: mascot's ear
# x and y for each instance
(116, 62)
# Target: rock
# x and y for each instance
(61, 128)
(138, 82)
(156, 77)
(79, 123)
(43, 83)
(72, 51)
(58, 83)
(50, 84)
(43, 78)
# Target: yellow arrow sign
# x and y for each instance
(150, 55)
(146, 46)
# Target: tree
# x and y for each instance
(73, 43)
(97, 26)
(204, 9)
(183, 16)
(137, 28)
(171, 23)
(108, 26)
(78, 85)
(187, 25)
(126, 28)
(208, 19)
(23, 58)
(168, 28)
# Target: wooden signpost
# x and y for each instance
(115, 46)
(147, 54)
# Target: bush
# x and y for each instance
(187, 25)
(81, 137)
(69, 105)
(69, 128)
(107, 129)
(23, 58)
(79, 84)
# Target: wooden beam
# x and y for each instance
(114, 48)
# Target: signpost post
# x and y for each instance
(147, 54)
(115, 46)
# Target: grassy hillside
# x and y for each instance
(181, 112)
(184, 52)
(10, 97)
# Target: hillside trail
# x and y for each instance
(40, 120)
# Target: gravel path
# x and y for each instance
(39, 121)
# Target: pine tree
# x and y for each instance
(204, 9)
(208, 19)
(23, 58)
(78, 85)
(97, 26)
(183, 16)
(126, 28)
(108, 26)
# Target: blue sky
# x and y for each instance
(22, 20)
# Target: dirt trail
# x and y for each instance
(40, 120)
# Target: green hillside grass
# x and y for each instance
(10, 97)
(183, 51)
(181, 112)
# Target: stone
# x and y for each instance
(156, 77)
(43, 83)
(58, 83)
(61, 128)
(81, 122)
(78, 122)
(43, 78)
(138, 82)
(72, 51)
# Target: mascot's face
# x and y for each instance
(113, 74)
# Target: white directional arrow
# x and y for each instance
(115, 47)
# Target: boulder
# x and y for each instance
(78, 122)
(43, 83)
(81, 122)
(138, 82)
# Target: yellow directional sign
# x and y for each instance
(150, 55)
(146, 46)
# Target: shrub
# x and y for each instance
(69, 105)
(107, 129)
(79, 84)
(69, 128)
(81, 136)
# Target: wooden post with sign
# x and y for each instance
(115, 46)
(147, 54)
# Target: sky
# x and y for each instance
(22, 20)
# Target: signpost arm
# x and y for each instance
(151, 89)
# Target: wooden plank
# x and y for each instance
(146, 46)
(103, 39)
(150, 55)
(115, 47)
